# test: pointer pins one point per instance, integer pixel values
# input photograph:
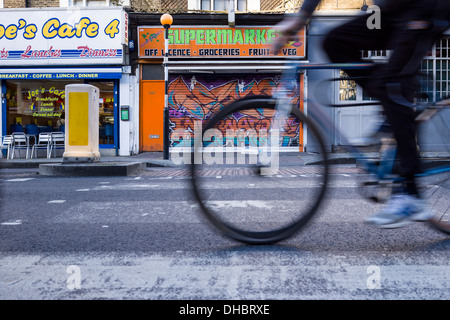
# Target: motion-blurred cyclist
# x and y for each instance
(408, 29)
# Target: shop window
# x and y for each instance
(347, 88)
(350, 91)
(242, 5)
(222, 5)
(87, 3)
(43, 103)
(434, 74)
(35, 102)
(375, 55)
(435, 71)
(205, 4)
(93, 3)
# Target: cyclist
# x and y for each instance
(408, 29)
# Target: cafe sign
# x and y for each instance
(69, 36)
(216, 42)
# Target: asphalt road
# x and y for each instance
(143, 238)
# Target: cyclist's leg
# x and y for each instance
(408, 48)
(344, 43)
(395, 86)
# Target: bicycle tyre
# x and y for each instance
(243, 230)
(439, 224)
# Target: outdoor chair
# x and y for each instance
(7, 143)
(44, 142)
(57, 142)
(20, 142)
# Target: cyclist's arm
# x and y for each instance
(291, 24)
(389, 6)
(294, 22)
(308, 7)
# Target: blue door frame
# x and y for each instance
(116, 114)
(4, 115)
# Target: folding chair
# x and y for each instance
(109, 132)
(44, 142)
(20, 142)
(57, 142)
(7, 143)
(32, 130)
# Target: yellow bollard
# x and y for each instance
(81, 121)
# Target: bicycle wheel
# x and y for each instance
(244, 187)
(436, 185)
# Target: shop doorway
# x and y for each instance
(151, 115)
(108, 110)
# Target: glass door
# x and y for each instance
(108, 126)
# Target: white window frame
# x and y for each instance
(375, 55)
(435, 60)
(252, 5)
(70, 3)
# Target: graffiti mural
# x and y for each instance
(194, 98)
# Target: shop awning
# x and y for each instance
(61, 73)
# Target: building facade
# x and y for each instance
(211, 65)
(43, 50)
(212, 62)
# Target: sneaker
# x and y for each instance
(400, 210)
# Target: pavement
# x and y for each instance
(131, 165)
(107, 166)
(141, 161)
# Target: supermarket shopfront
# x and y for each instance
(210, 67)
(42, 51)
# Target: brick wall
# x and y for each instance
(13, 3)
(31, 3)
(294, 5)
(181, 5)
(342, 4)
(43, 3)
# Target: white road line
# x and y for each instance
(56, 201)
(12, 223)
(19, 179)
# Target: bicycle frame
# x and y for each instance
(387, 159)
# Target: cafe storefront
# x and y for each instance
(43, 50)
(209, 67)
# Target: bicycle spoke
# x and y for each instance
(244, 188)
